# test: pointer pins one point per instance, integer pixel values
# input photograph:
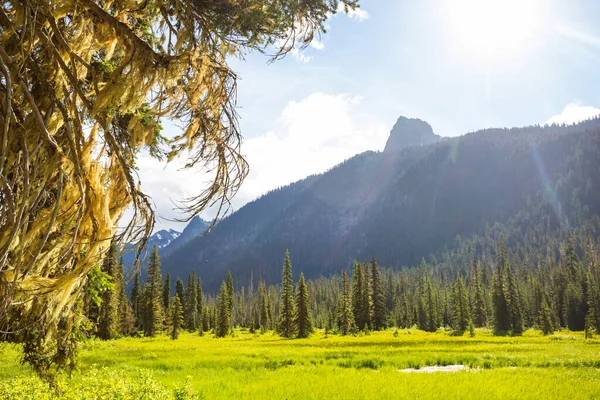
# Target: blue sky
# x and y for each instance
(460, 65)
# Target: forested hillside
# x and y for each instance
(407, 204)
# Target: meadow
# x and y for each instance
(245, 365)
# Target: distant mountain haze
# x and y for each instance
(405, 203)
(168, 240)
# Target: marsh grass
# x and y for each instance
(333, 367)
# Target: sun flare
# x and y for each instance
(493, 28)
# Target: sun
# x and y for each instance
(493, 29)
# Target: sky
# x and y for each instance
(460, 65)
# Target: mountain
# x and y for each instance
(409, 132)
(163, 238)
(410, 201)
(169, 240)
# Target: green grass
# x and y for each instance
(366, 367)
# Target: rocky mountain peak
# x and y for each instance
(409, 132)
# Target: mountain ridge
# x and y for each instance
(398, 205)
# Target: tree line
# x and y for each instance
(504, 296)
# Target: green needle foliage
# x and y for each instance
(303, 320)
(286, 326)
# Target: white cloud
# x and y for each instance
(574, 113)
(310, 136)
(358, 13)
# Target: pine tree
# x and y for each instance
(126, 319)
(153, 313)
(479, 311)
(167, 291)
(545, 318)
(134, 299)
(286, 321)
(379, 310)
(223, 317)
(199, 302)
(303, 319)
(179, 290)
(344, 308)
(175, 316)
(366, 297)
(108, 321)
(230, 291)
(460, 300)
(190, 307)
(502, 320)
(358, 289)
(432, 321)
(514, 305)
(591, 317)
(264, 317)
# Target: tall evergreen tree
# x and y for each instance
(264, 317)
(358, 290)
(153, 312)
(591, 317)
(199, 301)
(286, 320)
(175, 317)
(303, 319)
(230, 291)
(108, 321)
(479, 311)
(515, 310)
(179, 290)
(223, 316)
(126, 319)
(379, 311)
(190, 307)
(135, 298)
(502, 320)
(167, 291)
(546, 318)
(460, 301)
(344, 308)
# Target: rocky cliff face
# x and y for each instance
(409, 132)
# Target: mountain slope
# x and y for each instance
(405, 203)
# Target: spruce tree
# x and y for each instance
(126, 319)
(344, 307)
(432, 320)
(199, 301)
(286, 320)
(515, 310)
(167, 291)
(502, 320)
(591, 317)
(134, 299)
(230, 292)
(153, 313)
(460, 300)
(264, 317)
(179, 290)
(190, 307)
(545, 318)
(223, 317)
(358, 288)
(303, 319)
(379, 310)
(108, 320)
(479, 311)
(175, 316)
